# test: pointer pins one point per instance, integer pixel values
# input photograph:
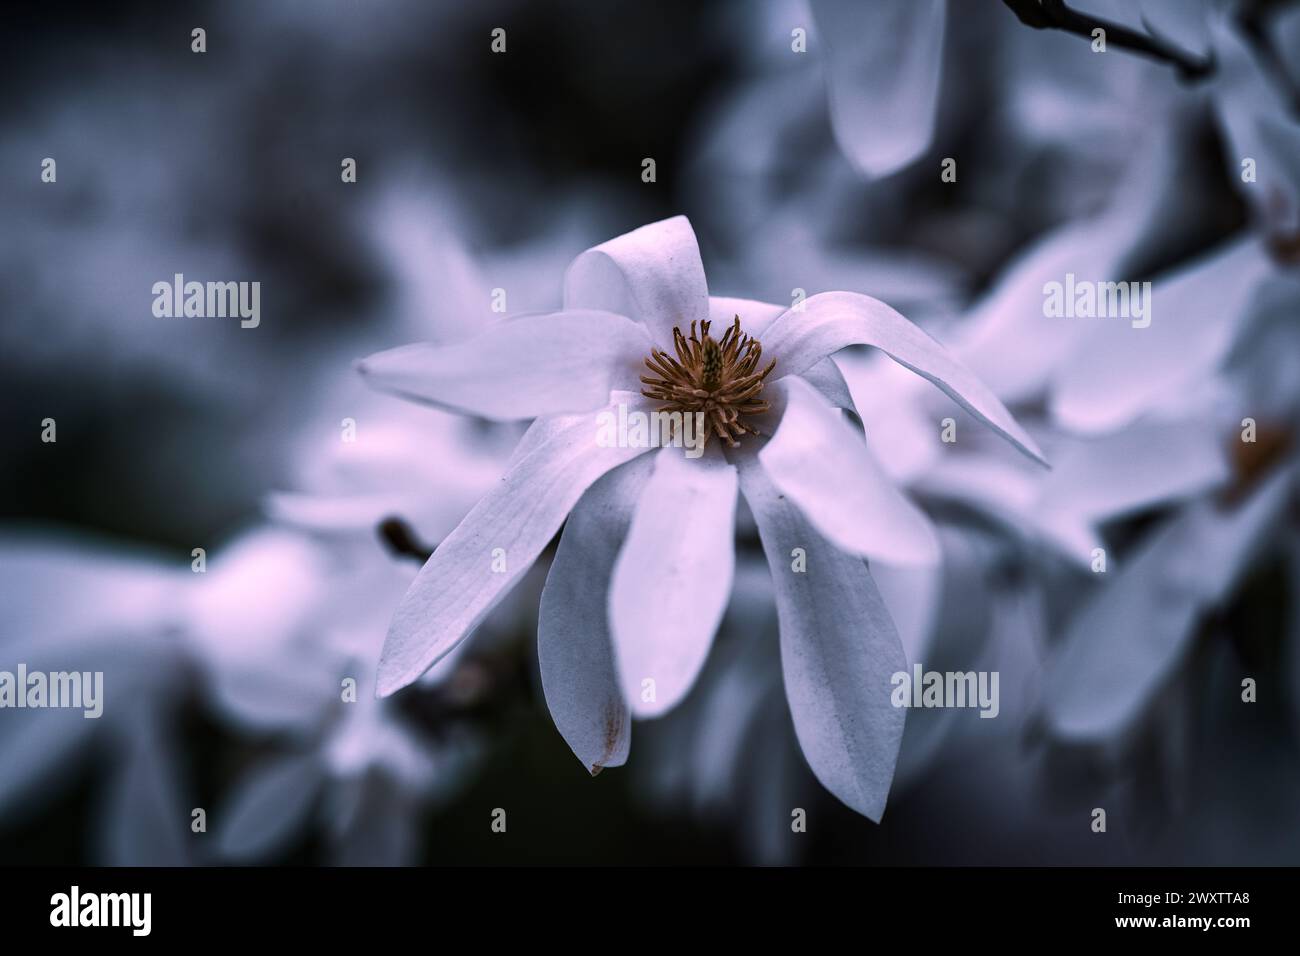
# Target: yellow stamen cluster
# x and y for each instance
(717, 377)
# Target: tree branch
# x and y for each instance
(1055, 15)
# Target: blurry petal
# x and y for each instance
(825, 468)
(839, 650)
(520, 367)
(830, 321)
(1140, 467)
(146, 818)
(652, 274)
(912, 597)
(269, 806)
(59, 586)
(955, 604)
(384, 830)
(457, 587)
(884, 61)
(673, 575)
(1258, 125)
(1133, 633)
(1006, 340)
(39, 750)
(274, 690)
(574, 645)
(251, 636)
(1118, 371)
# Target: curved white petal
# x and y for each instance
(574, 646)
(652, 274)
(826, 469)
(672, 578)
(458, 585)
(520, 367)
(830, 321)
(839, 650)
(884, 62)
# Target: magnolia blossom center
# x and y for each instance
(719, 378)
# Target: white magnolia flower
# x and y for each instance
(644, 567)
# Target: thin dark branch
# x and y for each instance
(1055, 15)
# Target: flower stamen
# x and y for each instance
(718, 377)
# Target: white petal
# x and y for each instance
(825, 468)
(672, 578)
(574, 645)
(828, 322)
(457, 586)
(520, 367)
(1119, 371)
(839, 650)
(1133, 633)
(884, 61)
(652, 274)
